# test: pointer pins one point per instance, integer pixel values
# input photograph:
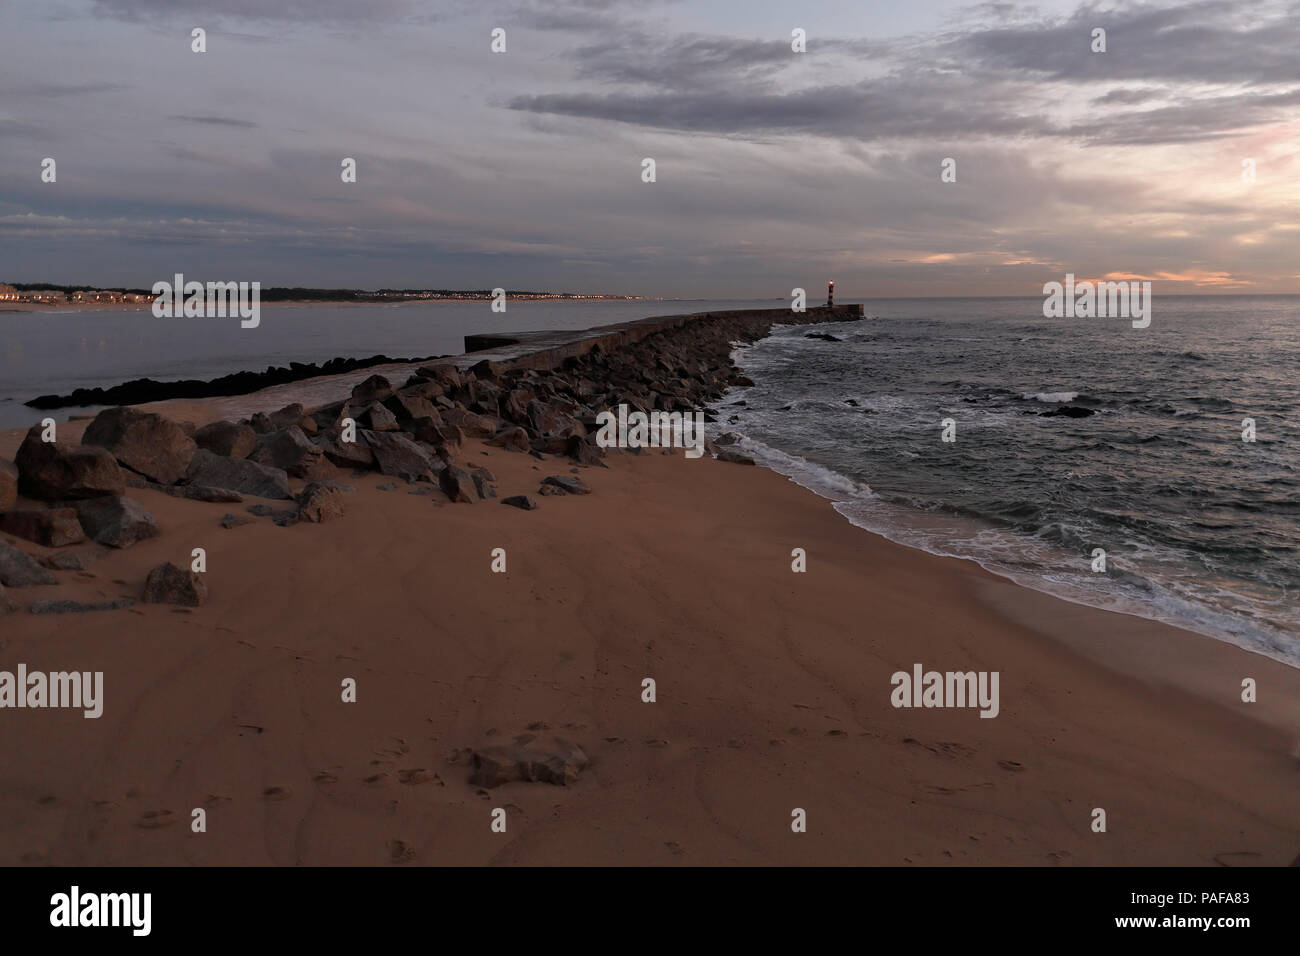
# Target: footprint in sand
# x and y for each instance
(400, 851)
(324, 778)
(1015, 766)
(376, 780)
(277, 793)
(656, 742)
(414, 776)
(153, 819)
(1236, 858)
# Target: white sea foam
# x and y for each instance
(1024, 559)
(1050, 396)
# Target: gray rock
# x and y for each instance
(472, 424)
(190, 492)
(483, 483)
(287, 449)
(455, 484)
(262, 511)
(354, 454)
(376, 388)
(320, 502)
(118, 522)
(569, 484)
(520, 501)
(236, 474)
(169, 584)
(446, 375)
(735, 457)
(19, 570)
(65, 560)
(558, 763)
(51, 527)
(289, 415)
(232, 439)
(51, 472)
(407, 404)
(146, 443)
(377, 418)
(398, 456)
(234, 521)
(511, 438)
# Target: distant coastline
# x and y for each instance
(35, 297)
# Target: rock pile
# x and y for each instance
(412, 430)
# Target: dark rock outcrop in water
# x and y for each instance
(1068, 411)
(141, 390)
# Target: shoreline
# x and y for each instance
(64, 308)
(774, 689)
(774, 692)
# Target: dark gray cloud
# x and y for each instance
(979, 79)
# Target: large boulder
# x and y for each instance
(232, 439)
(168, 584)
(51, 472)
(20, 570)
(117, 521)
(51, 527)
(8, 485)
(397, 455)
(146, 443)
(287, 449)
(237, 474)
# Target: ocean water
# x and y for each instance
(55, 352)
(1200, 528)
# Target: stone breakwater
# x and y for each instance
(537, 394)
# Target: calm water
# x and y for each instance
(1200, 528)
(44, 353)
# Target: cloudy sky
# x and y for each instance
(775, 169)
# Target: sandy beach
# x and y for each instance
(773, 693)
